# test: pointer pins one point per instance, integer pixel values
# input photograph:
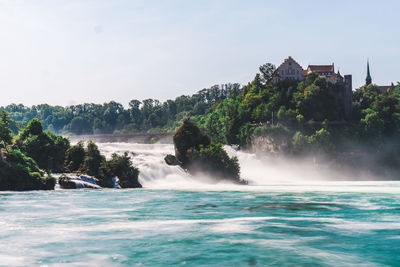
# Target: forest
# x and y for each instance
(112, 117)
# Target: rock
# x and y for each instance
(268, 145)
(74, 181)
(195, 153)
(171, 160)
(115, 181)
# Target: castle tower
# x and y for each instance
(368, 80)
(348, 96)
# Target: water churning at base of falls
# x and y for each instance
(288, 215)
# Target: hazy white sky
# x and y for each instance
(69, 51)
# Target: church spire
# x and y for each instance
(368, 80)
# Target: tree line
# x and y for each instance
(112, 117)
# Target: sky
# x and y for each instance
(64, 52)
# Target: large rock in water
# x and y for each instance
(188, 136)
(195, 153)
(74, 181)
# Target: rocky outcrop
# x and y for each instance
(195, 153)
(267, 145)
(171, 160)
(74, 181)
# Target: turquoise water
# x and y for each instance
(325, 224)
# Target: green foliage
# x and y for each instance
(75, 156)
(22, 169)
(321, 142)
(120, 166)
(378, 114)
(112, 117)
(5, 132)
(279, 133)
(17, 170)
(300, 143)
(93, 159)
(20, 173)
(188, 136)
(372, 125)
(317, 143)
(214, 159)
(287, 117)
(17, 157)
(34, 127)
(267, 70)
(318, 100)
(195, 152)
(244, 135)
(47, 149)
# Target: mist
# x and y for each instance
(258, 170)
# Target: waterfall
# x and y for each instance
(155, 173)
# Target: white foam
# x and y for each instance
(265, 174)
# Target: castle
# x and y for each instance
(290, 69)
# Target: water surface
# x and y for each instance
(348, 225)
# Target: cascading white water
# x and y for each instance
(155, 173)
(149, 158)
(264, 170)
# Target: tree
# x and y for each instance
(75, 157)
(372, 125)
(5, 132)
(195, 153)
(47, 149)
(320, 141)
(300, 143)
(121, 167)
(79, 125)
(93, 159)
(188, 136)
(267, 70)
(213, 159)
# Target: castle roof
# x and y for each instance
(321, 68)
(289, 59)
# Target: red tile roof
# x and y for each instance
(321, 68)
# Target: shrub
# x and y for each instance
(188, 136)
(194, 152)
(120, 166)
(93, 159)
(214, 160)
(75, 157)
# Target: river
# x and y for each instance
(288, 215)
